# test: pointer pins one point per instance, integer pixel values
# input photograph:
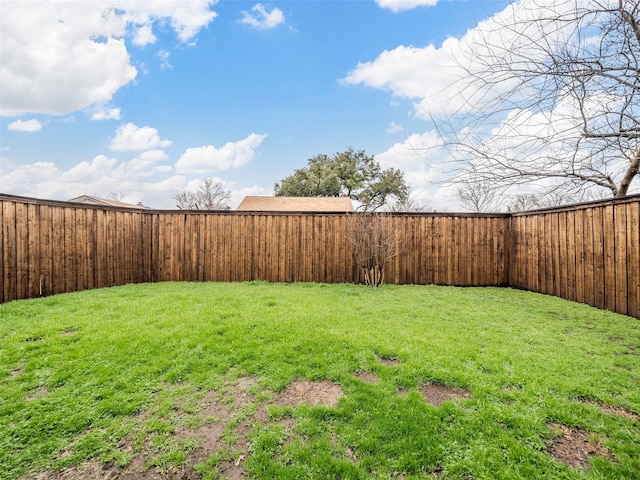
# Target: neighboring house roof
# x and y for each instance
(91, 200)
(296, 204)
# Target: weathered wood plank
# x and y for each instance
(608, 232)
(579, 256)
(571, 254)
(633, 259)
(34, 256)
(620, 258)
(9, 251)
(599, 253)
(589, 257)
(22, 250)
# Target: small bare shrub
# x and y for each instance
(375, 241)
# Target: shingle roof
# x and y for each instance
(91, 200)
(296, 204)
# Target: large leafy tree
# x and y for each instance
(351, 173)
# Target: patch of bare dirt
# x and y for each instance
(613, 410)
(17, 372)
(575, 446)
(68, 332)
(368, 377)
(220, 414)
(389, 361)
(215, 411)
(39, 392)
(312, 393)
(90, 471)
(436, 393)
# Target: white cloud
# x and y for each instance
(32, 125)
(208, 158)
(103, 112)
(260, 17)
(62, 56)
(163, 56)
(436, 77)
(144, 179)
(130, 137)
(100, 176)
(394, 128)
(414, 157)
(144, 36)
(425, 163)
(398, 5)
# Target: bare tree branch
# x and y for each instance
(550, 95)
(374, 241)
(210, 195)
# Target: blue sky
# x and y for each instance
(145, 98)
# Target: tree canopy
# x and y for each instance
(351, 173)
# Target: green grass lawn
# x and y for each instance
(189, 379)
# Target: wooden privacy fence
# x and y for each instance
(589, 253)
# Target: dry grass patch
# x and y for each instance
(574, 446)
(614, 410)
(389, 361)
(368, 377)
(323, 393)
(436, 393)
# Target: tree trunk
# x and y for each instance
(632, 171)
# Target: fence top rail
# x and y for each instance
(580, 206)
(152, 211)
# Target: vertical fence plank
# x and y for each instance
(579, 255)
(518, 245)
(80, 248)
(571, 254)
(561, 248)
(57, 250)
(598, 258)
(22, 250)
(620, 257)
(34, 255)
(608, 233)
(589, 257)
(46, 260)
(9, 253)
(91, 248)
(633, 258)
(3, 237)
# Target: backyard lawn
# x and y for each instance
(259, 380)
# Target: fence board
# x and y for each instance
(598, 259)
(620, 258)
(608, 235)
(46, 251)
(590, 255)
(9, 254)
(570, 256)
(22, 250)
(579, 256)
(34, 257)
(633, 258)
